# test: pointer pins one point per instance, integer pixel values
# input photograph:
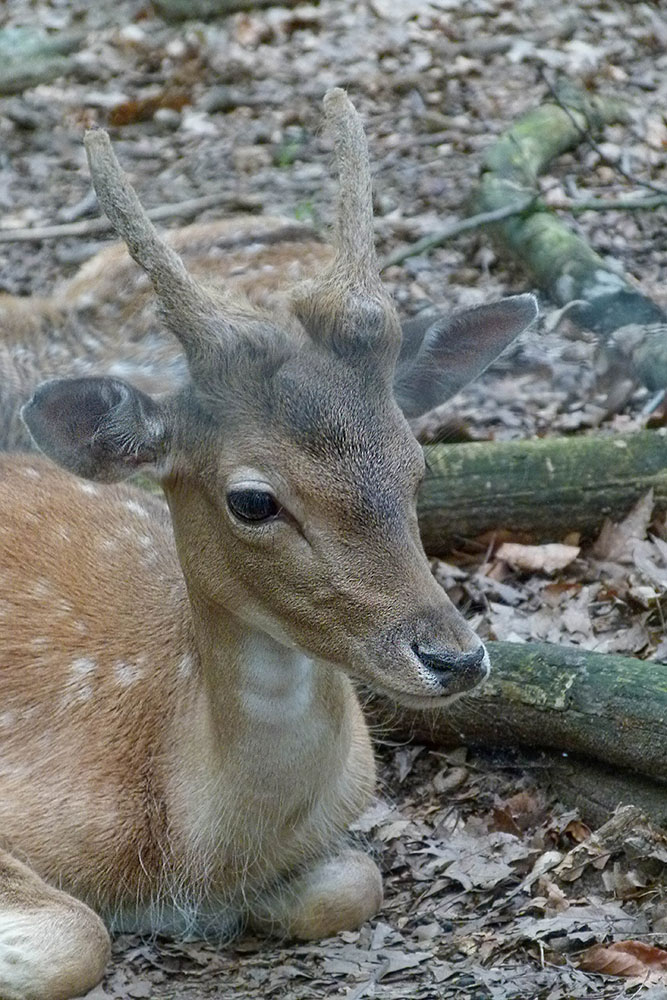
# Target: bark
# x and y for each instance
(559, 260)
(609, 710)
(537, 490)
(29, 57)
(597, 790)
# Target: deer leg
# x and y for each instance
(52, 947)
(337, 894)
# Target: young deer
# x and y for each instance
(182, 746)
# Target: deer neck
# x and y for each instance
(267, 703)
(264, 737)
(248, 675)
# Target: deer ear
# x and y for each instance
(439, 358)
(99, 428)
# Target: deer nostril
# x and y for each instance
(454, 671)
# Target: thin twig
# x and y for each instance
(609, 205)
(93, 227)
(586, 133)
(462, 226)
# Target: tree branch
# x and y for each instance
(93, 227)
(462, 226)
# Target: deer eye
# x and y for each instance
(252, 506)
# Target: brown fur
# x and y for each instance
(136, 809)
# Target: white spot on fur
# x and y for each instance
(83, 693)
(84, 666)
(89, 488)
(42, 588)
(127, 673)
(32, 473)
(186, 665)
(136, 508)
(7, 720)
(145, 540)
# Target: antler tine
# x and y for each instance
(355, 240)
(348, 306)
(188, 309)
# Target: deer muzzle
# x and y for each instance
(447, 672)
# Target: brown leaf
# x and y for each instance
(504, 821)
(626, 958)
(577, 831)
(143, 108)
(615, 541)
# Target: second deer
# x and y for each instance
(181, 745)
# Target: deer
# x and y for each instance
(183, 747)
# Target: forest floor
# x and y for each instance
(488, 893)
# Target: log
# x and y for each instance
(608, 708)
(597, 790)
(559, 260)
(29, 56)
(538, 490)
(601, 718)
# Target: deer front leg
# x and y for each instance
(52, 946)
(337, 894)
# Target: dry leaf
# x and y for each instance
(615, 541)
(626, 958)
(577, 831)
(537, 558)
(143, 108)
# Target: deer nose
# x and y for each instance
(453, 670)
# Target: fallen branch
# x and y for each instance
(29, 56)
(448, 232)
(605, 708)
(642, 204)
(89, 227)
(538, 490)
(205, 10)
(597, 790)
(562, 96)
(558, 259)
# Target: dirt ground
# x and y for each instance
(488, 894)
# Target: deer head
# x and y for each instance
(287, 461)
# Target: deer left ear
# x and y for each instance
(99, 428)
(439, 358)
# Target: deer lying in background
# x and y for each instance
(182, 746)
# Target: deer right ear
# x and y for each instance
(98, 428)
(444, 354)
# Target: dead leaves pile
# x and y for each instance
(610, 597)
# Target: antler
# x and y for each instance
(201, 321)
(348, 305)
